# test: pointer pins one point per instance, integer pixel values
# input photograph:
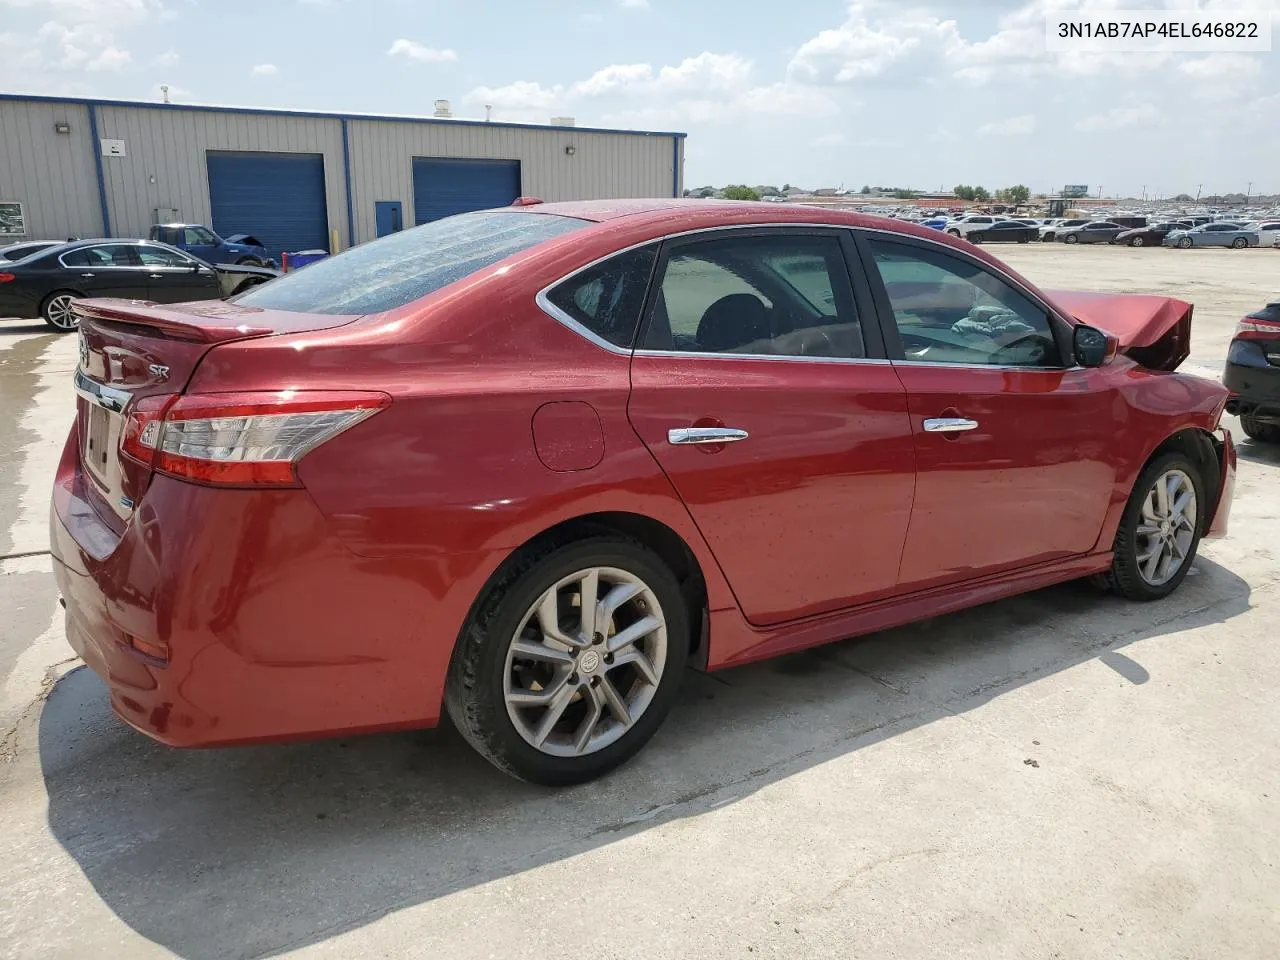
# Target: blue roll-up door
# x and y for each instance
(443, 187)
(276, 197)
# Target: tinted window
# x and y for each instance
(772, 296)
(402, 267)
(949, 310)
(114, 255)
(607, 298)
(160, 257)
(194, 235)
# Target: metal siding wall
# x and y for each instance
(52, 174)
(605, 166)
(170, 144)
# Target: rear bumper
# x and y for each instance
(16, 303)
(1253, 382)
(273, 629)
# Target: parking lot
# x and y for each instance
(1062, 774)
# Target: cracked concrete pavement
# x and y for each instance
(1058, 775)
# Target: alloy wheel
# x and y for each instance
(1136, 242)
(59, 313)
(1167, 527)
(586, 661)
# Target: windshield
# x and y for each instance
(403, 267)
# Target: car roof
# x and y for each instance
(684, 213)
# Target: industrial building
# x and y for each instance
(296, 180)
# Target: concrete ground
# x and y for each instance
(1062, 775)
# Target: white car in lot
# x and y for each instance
(967, 224)
(1269, 233)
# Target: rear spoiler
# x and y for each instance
(209, 321)
(1153, 331)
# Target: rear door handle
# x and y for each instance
(949, 425)
(155, 276)
(691, 435)
(88, 276)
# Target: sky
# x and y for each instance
(808, 92)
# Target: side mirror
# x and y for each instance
(1092, 346)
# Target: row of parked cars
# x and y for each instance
(42, 279)
(1130, 231)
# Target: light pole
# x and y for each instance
(1248, 190)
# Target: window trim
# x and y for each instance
(1058, 324)
(864, 309)
(189, 260)
(543, 298)
(111, 266)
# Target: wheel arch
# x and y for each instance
(1200, 446)
(665, 542)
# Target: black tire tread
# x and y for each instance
(473, 714)
(1123, 578)
(1262, 432)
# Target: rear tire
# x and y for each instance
(511, 668)
(56, 310)
(1261, 432)
(953, 233)
(1239, 243)
(1149, 533)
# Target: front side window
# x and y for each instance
(198, 235)
(607, 299)
(949, 310)
(160, 257)
(402, 267)
(784, 295)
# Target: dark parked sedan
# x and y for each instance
(1005, 231)
(1095, 231)
(48, 283)
(1151, 235)
(1253, 374)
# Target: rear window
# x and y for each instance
(403, 267)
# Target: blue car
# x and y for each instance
(934, 223)
(1213, 235)
(199, 240)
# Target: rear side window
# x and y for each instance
(607, 298)
(403, 267)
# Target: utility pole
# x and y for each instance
(1199, 187)
(1248, 190)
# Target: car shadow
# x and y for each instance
(1257, 452)
(19, 327)
(255, 851)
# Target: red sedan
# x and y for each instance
(525, 465)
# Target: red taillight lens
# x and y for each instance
(7, 278)
(241, 439)
(1258, 326)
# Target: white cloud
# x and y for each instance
(873, 39)
(1118, 118)
(634, 4)
(167, 59)
(265, 70)
(1019, 126)
(412, 50)
(111, 58)
(707, 88)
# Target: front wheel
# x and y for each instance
(954, 233)
(1184, 243)
(249, 262)
(57, 311)
(1136, 241)
(570, 661)
(1256, 430)
(1070, 238)
(1159, 531)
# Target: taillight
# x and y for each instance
(241, 439)
(1258, 326)
(7, 277)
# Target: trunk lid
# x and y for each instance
(130, 351)
(1154, 331)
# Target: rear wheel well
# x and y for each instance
(1198, 445)
(653, 534)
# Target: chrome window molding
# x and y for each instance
(92, 266)
(544, 303)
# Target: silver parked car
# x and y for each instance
(1213, 235)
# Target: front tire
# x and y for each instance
(1070, 238)
(1159, 531)
(57, 313)
(249, 262)
(1184, 243)
(1261, 432)
(555, 690)
(953, 233)
(1136, 241)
